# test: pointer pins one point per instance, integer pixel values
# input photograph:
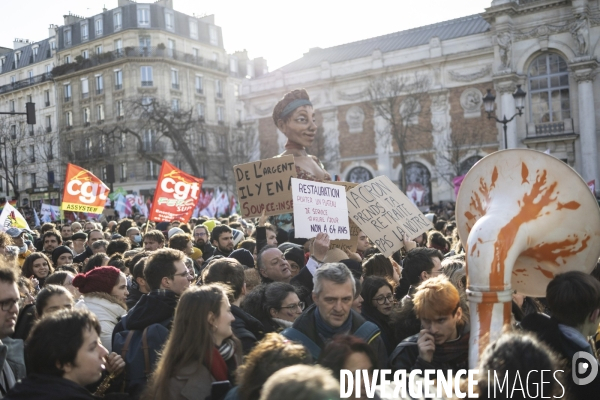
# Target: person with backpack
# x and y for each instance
(195, 362)
(332, 314)
(141, 333)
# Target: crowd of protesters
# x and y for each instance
(239, 309)
(214, 308)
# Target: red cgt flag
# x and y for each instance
(176, 195)
(83, 191)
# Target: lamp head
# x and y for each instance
(489, 101)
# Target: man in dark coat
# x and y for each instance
(230, 272)
(443, 342)
(332, 314)
(574, 299)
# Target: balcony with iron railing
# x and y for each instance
(545, 129)
(147, 147)
(25, 83)
(137, 52)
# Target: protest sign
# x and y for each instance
(83, 192)
(384, 213)
(347, 244)
(265, 185)
(320, 207)
(175, 196)
(49, 213)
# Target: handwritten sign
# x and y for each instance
(320, 207)
(347, 244)
(265, 185)
(384, 213)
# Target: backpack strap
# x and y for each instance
(147, 369)
(297, 336)
(399, 349)
(368, 332)
(126, 345)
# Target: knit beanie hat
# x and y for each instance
(100, 279)
(210, 224)
(59, 251)
(244, 257)
(174, 231)
(295, 254)
(237, 235)
(196, 254)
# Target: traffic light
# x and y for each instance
(30, 108)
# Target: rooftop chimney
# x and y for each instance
(18, 43)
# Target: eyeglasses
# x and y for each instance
(183, 274)
(7, 305)
(200, 234)
(293, 307)
(387, 299)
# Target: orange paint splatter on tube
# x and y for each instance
(531, 206)
(551, 252)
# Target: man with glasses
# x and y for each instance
(230, 272)
(332, 314)
(167, 278)
(12, 362)
(443, 342)
(201, 241)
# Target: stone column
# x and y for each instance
(587, 122)
(331, 141)
(383, 147)
(442, 142)
(505, 89)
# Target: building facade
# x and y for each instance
(119, 70)
(29, 154)
(98, 81)
(546, 46)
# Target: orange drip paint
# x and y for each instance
(524, 173)
(473, 249)
(530, 210)
(572, 205)
(484, 312)
(551, 252)
(546, 273)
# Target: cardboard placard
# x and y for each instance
(347, 244)
(320, 207)
(384, 214)
(265, 185)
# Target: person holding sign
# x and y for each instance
(295, 117)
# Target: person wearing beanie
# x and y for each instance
(104, 291)
(295, 257)
(210, 224)
(244, 257)
(174, 231)
(62, 255)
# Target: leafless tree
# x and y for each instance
(14, 138)
(399, 100)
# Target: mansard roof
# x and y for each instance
(460, 27)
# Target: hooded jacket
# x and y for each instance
(108, 309)
(565, 342)
(152, 308)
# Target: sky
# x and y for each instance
(278, 30)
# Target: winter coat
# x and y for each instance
(246, 328)
(47, 387)
(108, 309)
(192, 382)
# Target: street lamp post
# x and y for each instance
(4, 163)
(489, 102)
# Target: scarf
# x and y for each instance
(218, 368)
(455, 351)
(227, 349)
(326, 331)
